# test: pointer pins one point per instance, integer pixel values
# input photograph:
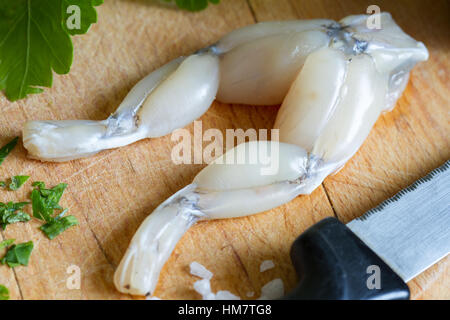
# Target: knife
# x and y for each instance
(373, 256)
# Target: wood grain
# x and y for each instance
(113, 192)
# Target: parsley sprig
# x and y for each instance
(35, 38)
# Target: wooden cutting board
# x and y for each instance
(112, 192)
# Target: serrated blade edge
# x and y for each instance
(411, 230)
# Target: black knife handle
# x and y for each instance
(334, 264)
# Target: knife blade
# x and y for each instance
(410, 231)
(397, 240)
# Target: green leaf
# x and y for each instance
(7, 148)
(87, 12)
(4, 292)
(11, 213)
(54, 194)
(194, 5)
(2, 184)
(35, 39)
(17, 182)
(59, 225)
(45, 201)
(40, 210)
(20, 216)
(6, 243)
(39, 184)
(18, 254)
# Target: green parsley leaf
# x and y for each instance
(35, 39)
(4, 292)
(193, 5)
(12, 213)
(88, 14)
(39, 184)
(2, 184)
(17, 182)
(18, 254)
(7, 148)
(45, 201)
(6, 243)
(58, 225)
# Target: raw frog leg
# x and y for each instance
(169, 98)
(344, 79)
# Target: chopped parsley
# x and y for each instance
(58, 225)
(17, 182)
(6, 243)
(7, 148)
(18, 254)
(4, 292)
(44, 202)
(12, 213)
